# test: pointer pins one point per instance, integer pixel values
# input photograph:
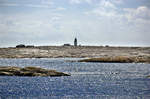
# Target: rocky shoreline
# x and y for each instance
(29, 71)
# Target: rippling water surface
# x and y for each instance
(87, 80)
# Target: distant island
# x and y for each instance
(75, 52)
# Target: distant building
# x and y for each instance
(67, 45)
(20, 46)
(106, 45)
(75, 42)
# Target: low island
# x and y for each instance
(91, 53)
(118, 59)
(29, 71)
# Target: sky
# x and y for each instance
(93, 22)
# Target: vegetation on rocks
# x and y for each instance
(28, 71)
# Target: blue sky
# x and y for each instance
(93, 22)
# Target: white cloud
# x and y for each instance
(9, 4)
(75, 1)
(80, 1)
(118, 1)
(107, 4)
(37, 6)
(107, 8)
(140, 19)
(47, 2)
(28, 23)
(102, 12)
(128, 24)
(26, 28)
(142, 12)
(60, 9)
(91, 1)
(42, 4)
(104, 9)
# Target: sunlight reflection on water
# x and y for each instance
(87, 80)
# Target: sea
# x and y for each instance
(87, 80)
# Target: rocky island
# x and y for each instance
(28, 71)
(103, 53)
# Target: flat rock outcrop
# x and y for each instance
(118, 59)
(28, 71)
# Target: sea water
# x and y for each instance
(87, 80)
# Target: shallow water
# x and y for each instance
(87, 80)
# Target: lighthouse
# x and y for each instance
(75, 42)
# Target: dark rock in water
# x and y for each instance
(29, 71)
